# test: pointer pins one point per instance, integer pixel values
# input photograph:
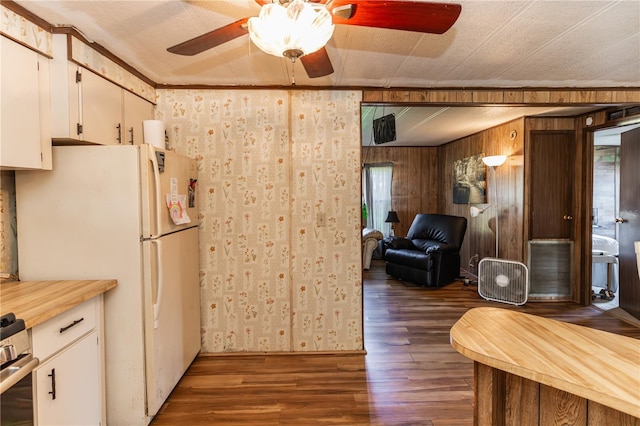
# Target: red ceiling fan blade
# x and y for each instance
(434, 18)
(211, 39)
(317, 64)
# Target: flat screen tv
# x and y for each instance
(384, 129)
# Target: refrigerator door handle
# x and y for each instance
(159, 282)
(155, 233)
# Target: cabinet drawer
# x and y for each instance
(56, 333)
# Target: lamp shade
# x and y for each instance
(494, 160)
(476, 211)
(392, 217)
(292, 31)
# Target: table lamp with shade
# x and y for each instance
(392, 217)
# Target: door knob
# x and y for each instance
(619, 220)
(567, 217)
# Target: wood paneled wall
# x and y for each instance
(513, 238)
(423, 183)
(515, 96)
(415, 186)
(506, 139)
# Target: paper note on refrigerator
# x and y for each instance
(176, 204)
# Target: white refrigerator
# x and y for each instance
(129, 213)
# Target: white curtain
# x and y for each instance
(376, 195)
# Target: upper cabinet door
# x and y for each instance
(25, 139)
(101, 110)
(136, 110)
(88, 108)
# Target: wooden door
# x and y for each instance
(629, 229)
(552, 180)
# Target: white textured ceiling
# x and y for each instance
(537, 43)
(541, 43)
(437, 125)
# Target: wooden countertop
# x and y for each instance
(593, 364)
(38, 301)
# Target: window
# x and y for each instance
(376, 195)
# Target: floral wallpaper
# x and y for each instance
(8, 226)
(279, 222)
(21, 29)
(93, 60)
(326, 272)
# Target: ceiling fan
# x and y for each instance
(417, 16)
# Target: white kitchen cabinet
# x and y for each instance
(69, 382)
(66, 383)
(136, 110)
(25, 141)
(89, 109)
(101, 106)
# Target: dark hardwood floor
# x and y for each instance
(410, 375)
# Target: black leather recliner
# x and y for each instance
(430, 254)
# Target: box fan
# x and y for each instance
(504, 281)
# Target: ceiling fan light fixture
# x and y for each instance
(292, 31)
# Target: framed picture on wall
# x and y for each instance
(469, 180)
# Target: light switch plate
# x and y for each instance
(322, 219)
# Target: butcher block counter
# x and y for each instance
(534, 370)
(37, 301)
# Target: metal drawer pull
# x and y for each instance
(119, 138)
(52, 392)
(76, 322)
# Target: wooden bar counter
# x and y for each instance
(38, 301)
(530, 370)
